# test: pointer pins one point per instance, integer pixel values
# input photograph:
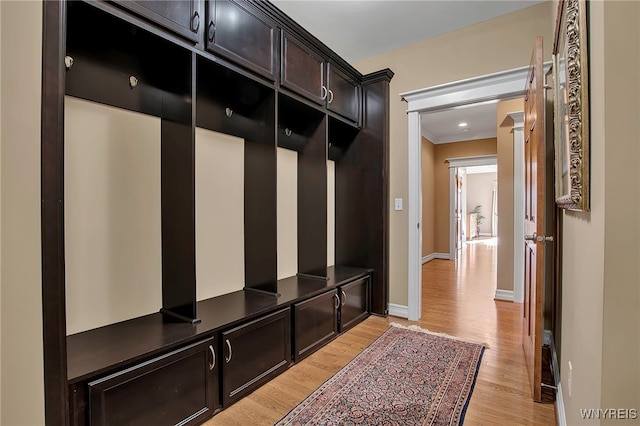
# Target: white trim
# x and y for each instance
(432, 256)
(453, 252)
(518, 205)
(561, 415)
(501, 85)
(415, 217)
(478, 160)
(560, 411)
(398, 310)
(505, 295)
(450, 139)
(485, 234)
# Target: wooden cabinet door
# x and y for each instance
(177, 388)
(302, 69)
(344, 94)
(243, 34)
(354, 303)
(183, 17)
(254, 353)
(316, 323)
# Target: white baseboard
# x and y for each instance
(398, 310)
(506, 295)
(432, 256)
(560, 412)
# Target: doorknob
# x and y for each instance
(538, 238)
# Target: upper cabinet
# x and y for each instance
(183, 17)
(242, 33)
(343, 93)
(309, 74)
(302, 69)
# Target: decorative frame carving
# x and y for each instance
(571, 106)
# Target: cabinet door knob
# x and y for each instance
(228, 358)
(195, 22)
(212, 364)
(344, 298)
(211, 32)
(330, 96)
(323, 93)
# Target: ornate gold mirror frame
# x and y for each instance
(571, 105)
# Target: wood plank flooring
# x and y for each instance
(457, 301)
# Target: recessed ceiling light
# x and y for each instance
(465, 130)
(463, 124)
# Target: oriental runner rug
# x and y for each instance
(408, 376)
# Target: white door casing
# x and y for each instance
(498, 86)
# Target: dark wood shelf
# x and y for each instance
(98, 351)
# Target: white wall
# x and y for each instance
(21, 310)
(480, 192)
(113, 245)
(219, 214)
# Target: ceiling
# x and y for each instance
(357, 29)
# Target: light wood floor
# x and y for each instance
(457, 301)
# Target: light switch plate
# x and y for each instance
(398, 204)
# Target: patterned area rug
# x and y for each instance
(408, 376)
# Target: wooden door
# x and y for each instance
(534, 219)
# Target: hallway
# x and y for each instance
(456, 301)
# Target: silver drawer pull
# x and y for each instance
(344, 298)
(337, 298)
(228, 358)
(212, 364)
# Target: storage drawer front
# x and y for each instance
(254, 353)
(316, 323)
(355, 301)
(178, 388)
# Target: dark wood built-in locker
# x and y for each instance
(240, 68)
(362, 170)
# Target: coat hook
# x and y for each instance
(287, 131)
(228, 112)
(133, 82)
(68, 62)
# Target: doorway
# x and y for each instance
(499, 86)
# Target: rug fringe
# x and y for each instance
(415, 327)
